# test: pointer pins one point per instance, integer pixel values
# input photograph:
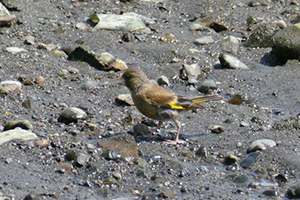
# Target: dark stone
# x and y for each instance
(294, 192)
(250, 159)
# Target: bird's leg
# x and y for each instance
(177, 140)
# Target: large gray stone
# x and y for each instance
(286, 43)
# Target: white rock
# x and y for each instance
(191, 72)
(126, 22)
(163, 80)
(3, 10)
(124, 99)
(204, 40)
(106, 58)
(15, 50)
(11, 86)
(261, 144)
(281, 24)
(16, 134)
(81, 26)
(231, 44)
(232, 62)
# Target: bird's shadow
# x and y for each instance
(160, 138)
(189, 137)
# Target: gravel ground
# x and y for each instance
(68, 161)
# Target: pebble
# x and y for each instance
(256, 3)
(261, 145)
(196, 51)
(81, 26)
(286, 43)
(59, 54)
(90, 84)
(48, 47)
(29, 40)
(281, 177)
(239, 178)
(103, 61)
(24, 124)
(111, 154)
(244, 124)
(163, 81)
(117, 175)
(3, 10)
(294, 191)
(39, 80)
(169, 37)
(231, 159)
(10, 86)
(128, 37)
(168, 194)
(15, 50)
(281, 24)
(42, 143)
(106, 58)
(140, 162)
(231, 62)
(202, 152)
(16, 134)
(207, 85)
(124, 99)
(217, 129)
(8, 161)
(28, 103)
(72, 114)
(190, 73)
(82, 159)
(71, 155)
(125, 22)
(231, 44)
(6, 20)
(271, 193)
(73, 70)
(236, 99)
(205, 24)
(204, 40)
(31, 197)
(63, 73)
(250, 159)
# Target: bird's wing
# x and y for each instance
(163, 98)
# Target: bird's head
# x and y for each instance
(133, 78)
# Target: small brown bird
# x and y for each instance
(159, 103)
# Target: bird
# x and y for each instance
(159, 103)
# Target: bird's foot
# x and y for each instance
(174, 142)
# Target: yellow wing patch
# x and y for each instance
(174, 105)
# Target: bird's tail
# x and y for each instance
(205, 98)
